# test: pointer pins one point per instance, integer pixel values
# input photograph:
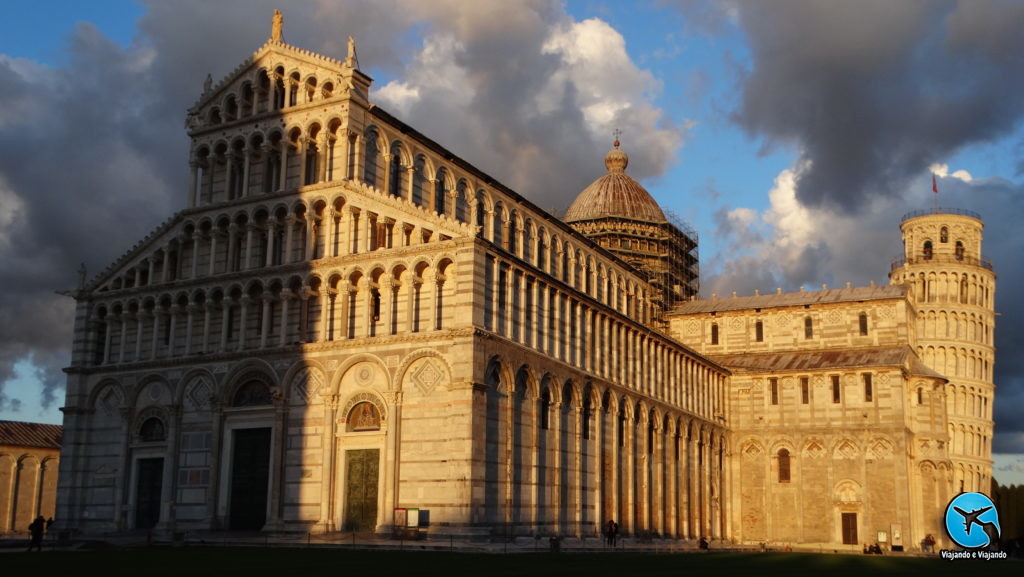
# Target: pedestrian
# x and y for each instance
(36, 529)
(614, 532)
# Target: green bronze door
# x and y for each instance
(361, 489)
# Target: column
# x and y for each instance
(165, 262)
(289, 230)
(658, 474)
(124, 337)
(277, 457)
(123, 473)
(286, 297)
(193, 166)
(323, 152)
(246, 166)
(629, 474)
(207, 313)
(388, 289)
(301, 151)
(577, 486)
(168, 513)
(225, 314)
(310, 235)
(555, 419)
(326, 295)
(614, 468)
(242, 320)
(229, 169)
(414, 288)
(327, 221)
(156, 333)
(265, 329)
(213, 252)
(271, 241)
(283, 176)
(327, 473)
(229, 262)
(353, 230)
(195, 252)
(139, 322)
(672, 479)
(357, 168)
(189, 314)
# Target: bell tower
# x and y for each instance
(952, 287)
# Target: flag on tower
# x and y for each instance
(935, 185)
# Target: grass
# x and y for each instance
(256, 562)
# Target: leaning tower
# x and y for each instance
(953, 289)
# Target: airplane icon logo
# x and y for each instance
(967, 510)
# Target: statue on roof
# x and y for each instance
(352, 60)
(276, 24)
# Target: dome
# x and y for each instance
(615, 194)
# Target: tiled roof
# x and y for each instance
(823, 360)
(616, 194)
(854, 294)
(19, 434)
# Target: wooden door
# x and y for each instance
(849, 528)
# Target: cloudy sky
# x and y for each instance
(792, 135)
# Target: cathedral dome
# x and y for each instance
(615, 194)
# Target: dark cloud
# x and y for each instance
(872, 92)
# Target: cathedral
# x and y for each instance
(350, 328)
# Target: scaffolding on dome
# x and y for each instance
(681, 272)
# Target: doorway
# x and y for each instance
(361, 489)
(250, 476)
(148, 489)
(849, 528)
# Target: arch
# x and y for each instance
(151, 427)
(407, 362)
(248, 370)
(350, 362)
(364, 397)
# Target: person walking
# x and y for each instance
(36, 529)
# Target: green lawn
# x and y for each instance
(279, 562)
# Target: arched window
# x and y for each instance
(418, 180)
(252, 394)
(440, 193)
(152, 430)
(714, 333)
(959, 250)
(545, 409)
(783, 466)
(497, 225)
(759, 331)
(363, 417)
(587, 413)
(395, 172)
(808, 328)
(481, 211)
(862, 320)
(461, 202)
(927, 250)
(944, 235)
(920, 396)
(370, 157)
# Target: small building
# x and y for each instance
(29, 455)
